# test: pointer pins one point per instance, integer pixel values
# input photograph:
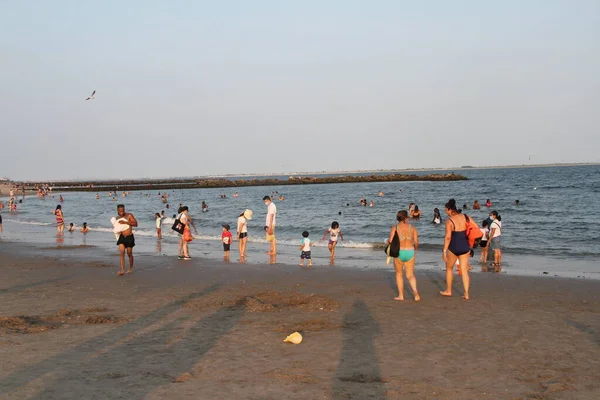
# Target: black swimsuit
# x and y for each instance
(459, 244)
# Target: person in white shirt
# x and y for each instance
(158, 225)
(242, 232)
(305, 248)
(334, 232)
(270, 224)
(484, 241)
(494, 243)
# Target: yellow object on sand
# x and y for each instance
(294, 338)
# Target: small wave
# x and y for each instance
(31, 222)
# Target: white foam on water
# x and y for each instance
(30, 222)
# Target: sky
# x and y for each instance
(194, 88)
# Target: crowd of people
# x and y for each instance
(457, 246)
(457, 249)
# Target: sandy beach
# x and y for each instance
(71, 329)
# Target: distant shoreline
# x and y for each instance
(307, 173)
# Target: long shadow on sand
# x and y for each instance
(132, 368)
(440, 281)
(25, 286)
(594, 336)
(358, 375)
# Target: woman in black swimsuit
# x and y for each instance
(456, 246)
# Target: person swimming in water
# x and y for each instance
(409, 244)
(415, 214)
(476, 205)
(488, 203)
(456, 247)
(437, 218)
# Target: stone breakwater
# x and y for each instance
(158, 184)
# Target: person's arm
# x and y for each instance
(325, 234)
(392, 231)
(490, 237)
(340, 234)
(447, 238)
(191, 222)
(270, 225)
(131, 221)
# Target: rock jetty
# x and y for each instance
(158, 184)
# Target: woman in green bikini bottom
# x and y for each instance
(409, 243)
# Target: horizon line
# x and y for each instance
(464, 167)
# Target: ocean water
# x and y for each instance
(557, 221)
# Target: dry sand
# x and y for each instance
(204, 330)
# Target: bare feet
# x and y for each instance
(446, 293)
(417, 297)
(121, 273)
(465, 297)
(399, 298)
(130, 271)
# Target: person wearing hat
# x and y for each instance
(226, 239)
(242, 231)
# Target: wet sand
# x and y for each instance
(208, 330)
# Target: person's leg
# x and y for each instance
(399, 279)
(244, 242)
(122, 259)
(310, 261)
(241, 246)
(130, 255)
(185, 249)
(464, 262)
(450, 261)
(497, 260)
(410, 276)
(333, 249)
(180, 248)
(273, 250)
(330, 247)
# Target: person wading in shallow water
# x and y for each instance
(456, 247)
(126, 240)
(270, 225)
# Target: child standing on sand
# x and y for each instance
(226, 238)
(305, 248)
(334, 232)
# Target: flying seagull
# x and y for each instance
(91, 96)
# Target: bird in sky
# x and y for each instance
(91, 96)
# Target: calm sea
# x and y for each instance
(555, 228)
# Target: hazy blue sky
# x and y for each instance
(207, 87)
